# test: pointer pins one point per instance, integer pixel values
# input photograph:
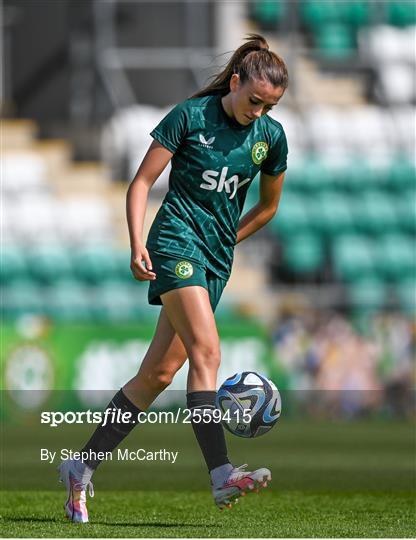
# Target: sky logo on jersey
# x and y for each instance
(229, 185)
(259, 152)
(184, 270)
(206, 143)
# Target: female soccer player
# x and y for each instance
(217, 141)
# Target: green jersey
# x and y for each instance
(215, 160)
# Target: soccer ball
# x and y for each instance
(250, 404)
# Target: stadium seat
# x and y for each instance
(316, 175)
(367, 294)
(118, 301)
(23, 172)
(396, 256)
(225, 312)
(303, 253)
(293, 177)
(332, 214)
(335, 41)
(122, 263)
(85, 220)
(13, 264)
(374, 212)
(35, 219)
(316, 13)
(356, 12)
(405, 292)
(353, 257)
(292, 216)
(68, 300)
(49, 263)
(22, 297)
(327, 131)
(401, 12)
(397, 83)
(368, 131)
(347, 177)
(401, 173)
(94, 264)
(406, 210)
(404, 117)
(267, 13)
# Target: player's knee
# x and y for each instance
(205, 356)
(158, 378)
(163, 378)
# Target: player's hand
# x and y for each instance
(141, 265)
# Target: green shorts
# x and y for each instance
(172, 272)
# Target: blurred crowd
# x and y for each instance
(342, 367)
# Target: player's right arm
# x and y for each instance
(155, 160)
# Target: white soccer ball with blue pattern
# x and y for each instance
(250, 404)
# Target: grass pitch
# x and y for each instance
(329, 480)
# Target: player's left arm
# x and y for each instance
(270, 192)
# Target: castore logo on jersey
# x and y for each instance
(223, 182)
(206, 143)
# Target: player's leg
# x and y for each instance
(163, 359)
(165, 356)
(190, 311)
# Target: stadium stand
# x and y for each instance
(348, 207)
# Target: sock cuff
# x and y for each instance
(201, 398)
(121, 401)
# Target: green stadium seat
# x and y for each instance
(49, 263)
(122, 260)
(367, 294)
(316, 13)
(292, 216)
(225, 312)
(357, 179)
(69, 300)
(396, 256)
(95, 264)
(401, 174)
(303, 253)
(405, 205)
(267, 13)
(374, 212)
(353, 257)
(332, 214)
(294, 177)
(406, 295)
(119, 301)
(22, 297)
(13, 264)
(314, 176)
(401, 12)
(356, 12)
(335, 41)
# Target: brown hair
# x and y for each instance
(253, 60)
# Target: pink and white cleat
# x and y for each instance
(76, 486)
(238, 483)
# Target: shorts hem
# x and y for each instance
(155, 300)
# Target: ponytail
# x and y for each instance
(253, 60)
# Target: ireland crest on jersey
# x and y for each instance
(259, 152)
(184, 270)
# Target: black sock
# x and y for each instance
(106, 438)
(210, 435)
